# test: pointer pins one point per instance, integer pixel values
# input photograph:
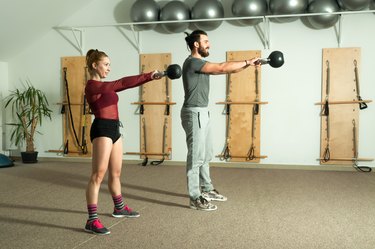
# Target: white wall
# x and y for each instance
(3, 92)
(290, 131)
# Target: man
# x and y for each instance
(195, 118)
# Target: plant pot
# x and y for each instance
(29, 157)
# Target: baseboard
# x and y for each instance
(221, 164)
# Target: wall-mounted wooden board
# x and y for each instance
(158, 124)
(339, 65)
(74, 71)
(243, 130)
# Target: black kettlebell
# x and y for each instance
(173, 71)
(275, 59)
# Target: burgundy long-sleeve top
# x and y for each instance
(102, 95)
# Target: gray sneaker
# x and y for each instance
(125, 212)
(202, 204)
(214, 195)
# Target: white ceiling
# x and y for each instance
(24, 21)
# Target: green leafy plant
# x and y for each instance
(29, 107)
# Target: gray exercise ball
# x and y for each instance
(249, 8)
(323, 6)
(145, 11)
(175, 10)
(207, 9)
(287, 7)
(353, 4)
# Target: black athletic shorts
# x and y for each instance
(105, 128)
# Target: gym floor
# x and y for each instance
(43, 206)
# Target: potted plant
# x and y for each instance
(29, 107)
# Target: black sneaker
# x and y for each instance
(125, 212)
(202, 204)
(96, 227)
(214, 195)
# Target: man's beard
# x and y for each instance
(202, 52)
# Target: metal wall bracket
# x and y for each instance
(263, 29)
(78, 35)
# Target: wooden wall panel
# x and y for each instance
(243, 92)
(74, 68)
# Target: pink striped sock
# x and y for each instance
(93, 211)
(119, 203)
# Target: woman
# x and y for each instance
(105, 136)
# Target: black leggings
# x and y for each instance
(105, 128)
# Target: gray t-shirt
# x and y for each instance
(196, 83)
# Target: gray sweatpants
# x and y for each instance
(196, 123)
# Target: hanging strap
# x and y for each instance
(225, 155)
(141, 107)
(325, 111)
(327, 153)
(362, 105)
(167, 97)
(70, 110)
(355, 152)
(83, 140)
(164, 143)
(144, 163)
(256, 105)
(251, 152)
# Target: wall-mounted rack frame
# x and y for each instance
(263, 29)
